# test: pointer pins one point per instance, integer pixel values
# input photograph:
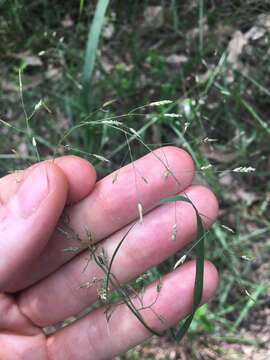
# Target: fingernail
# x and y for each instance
(32, 191)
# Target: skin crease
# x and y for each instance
(71, 180)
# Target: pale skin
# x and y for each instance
(40, 283)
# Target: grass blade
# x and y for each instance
(255, 115)
(249, 305)
(199, 266)
(108, 275)
(81, 7)
(92, 43)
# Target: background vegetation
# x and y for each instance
(211, 58)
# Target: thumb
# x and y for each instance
(28, 216)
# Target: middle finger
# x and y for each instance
(60, 296)
(110, 206)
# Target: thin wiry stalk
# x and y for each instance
(114, 255)
(123, 295)
(199, 247)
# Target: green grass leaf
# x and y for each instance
(92, 43)
(199, 249)
(81, 7)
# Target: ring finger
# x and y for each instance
(147, 245)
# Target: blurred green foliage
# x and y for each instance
(182, 55)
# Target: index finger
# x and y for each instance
(113, 204)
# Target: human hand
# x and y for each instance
(40, 282)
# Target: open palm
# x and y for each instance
(42, 265)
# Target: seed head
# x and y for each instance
(160, 103)
(140, 210)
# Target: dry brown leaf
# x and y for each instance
(153, 17)
(53, 73)
(28, 58)
(67, 22)
(235, 48)
(246, 196)
(261, 27)
(195, 32)
(108, 31)
(9, 86)
(226, 179)
(32, 60)
(216, 154)
(176, 60)
(32, 81)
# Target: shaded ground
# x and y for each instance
(212, 58)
